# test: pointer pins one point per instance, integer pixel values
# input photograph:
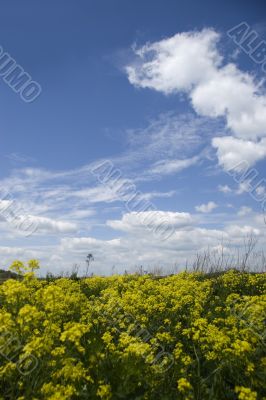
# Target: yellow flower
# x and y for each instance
(90, 335)
(73, 333)
(245, 393)
(104, 392)
(183, 385)
(57, 392)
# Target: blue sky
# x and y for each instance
(159, 91)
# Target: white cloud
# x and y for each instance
(49, 225)
(232, 151)
(165, 167)
(136, 245)
(151, 195)
(224, 189)
(206, 208)
(5, 205)
(13, 214)
(79, 243)
(190, 62)
(14, 252)
(151, 220)
(243, 187)
(78, 214)
(99, 194)
(242, 232)
(8, 254)
(261, 190)
(244, 210)
(177, 63)
(139, 246)
(234, 95)
(169, 136)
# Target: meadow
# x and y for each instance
(186, 336)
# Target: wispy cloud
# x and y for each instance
(165, 167)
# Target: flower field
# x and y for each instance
(186, 336)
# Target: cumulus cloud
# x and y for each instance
(137, 246)
(261, 190)
(232, 94)
(190, 62)
(79, 243)
(151, 219)
(232, 151)
(9, 254)
(49, 225)
(14, 252)
(224, 189)
(134, 244)
(243, 187)
(240, 232)
(176, 63)
(206, 208)
(14, 215)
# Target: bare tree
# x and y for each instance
(249, 245)
(89, 259)
(243, 258)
